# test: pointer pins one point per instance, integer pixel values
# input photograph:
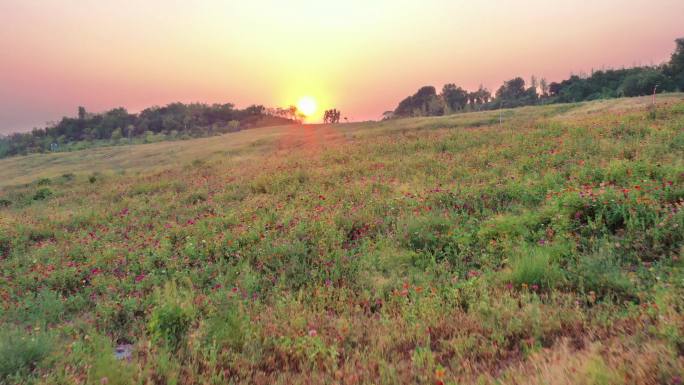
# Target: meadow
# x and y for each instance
(538, 245)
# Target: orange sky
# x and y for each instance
(359, 56)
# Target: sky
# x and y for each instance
(360, 56)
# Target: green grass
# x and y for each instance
(431, 250)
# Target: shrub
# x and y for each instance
(535, 266)
(20, 354)
(169, 323)
(42, 194)
(427, 234)
(68, 176)
(43, 309)
(601, 274)
(119, 320)
(5, 246)
(5, 202)
(196, 197)
(43, 181)
(105, 368)
(227, 328)
(171, 318)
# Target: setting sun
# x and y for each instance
(307, 105)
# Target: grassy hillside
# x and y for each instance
(544, 250)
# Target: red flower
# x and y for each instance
(473, 274)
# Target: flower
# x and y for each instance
(473, 274)
(313, 333)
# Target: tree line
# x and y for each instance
(118, 126)
(612, 83)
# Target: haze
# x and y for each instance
(357, 56)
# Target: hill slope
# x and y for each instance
(545, 249)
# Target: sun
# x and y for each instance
(307, 105)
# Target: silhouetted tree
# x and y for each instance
(544, 88)
(331, 116)
(675, 68)
(455, 97)
(423, 103)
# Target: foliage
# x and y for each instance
(603, 84)
(118, 126)
(21, 354)
(331, 116)
(449, 249)
(171, 318)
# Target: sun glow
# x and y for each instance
(307, 106)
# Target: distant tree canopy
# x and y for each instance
(515, 92)
(425, 102)
(175, 120)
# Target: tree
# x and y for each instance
(81, 113)
(512, 89)
(117, 134)
(423, 103)
(644, 83)
(331, 116)
(533, 82)
(544, 87)
(483, 95)
(455, 97)
(675, 68)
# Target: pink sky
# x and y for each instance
(359, 56)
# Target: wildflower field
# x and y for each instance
(539, 245)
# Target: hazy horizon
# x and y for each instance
(358, 57)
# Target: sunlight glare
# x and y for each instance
(307, 105)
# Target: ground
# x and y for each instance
(536, 245)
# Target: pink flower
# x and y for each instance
(139, 277)
(313, 333)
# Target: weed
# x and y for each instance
(42, 194)
(21, 354)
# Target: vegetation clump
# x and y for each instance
(454, 249)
